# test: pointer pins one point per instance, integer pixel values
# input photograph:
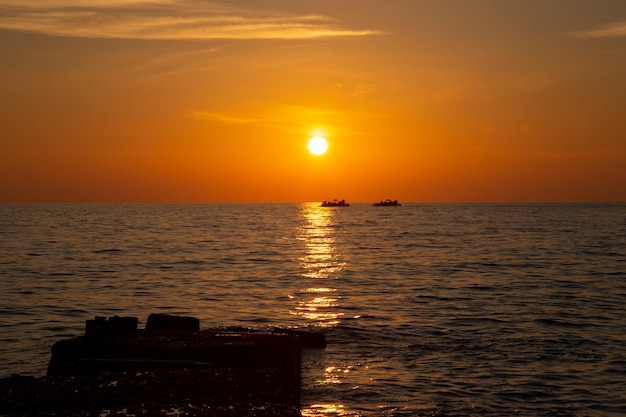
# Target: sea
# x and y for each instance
(428, 309)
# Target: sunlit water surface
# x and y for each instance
(500, 310)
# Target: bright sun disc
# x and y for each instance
(318, 145)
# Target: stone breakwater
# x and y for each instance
(169, 368)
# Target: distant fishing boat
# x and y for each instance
(387, 202)
(335, 203)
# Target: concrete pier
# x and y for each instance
(169, 368)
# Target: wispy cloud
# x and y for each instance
(164, 19)
(223, 118)
(46, 4)
(292, 119)
(610, 30)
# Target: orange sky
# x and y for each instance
(421, 101)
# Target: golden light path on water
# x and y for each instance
(318, 302)
(320, 264)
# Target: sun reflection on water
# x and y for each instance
(316, 305)
(334, 375)
(318, 410)
(320, 262)
(318, 300)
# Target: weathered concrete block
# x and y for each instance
(114, 327)
(168, 323)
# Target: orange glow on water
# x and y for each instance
(319, 308)
(318, 410)
(320, 264)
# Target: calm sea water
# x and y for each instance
(433, 310)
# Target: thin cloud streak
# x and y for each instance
(611, 30)
(295, 120)
(164, 20)
(46, 4)
(222, 118)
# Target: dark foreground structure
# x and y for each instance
(170, 368)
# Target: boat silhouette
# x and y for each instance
(335, 203)
(386, 202)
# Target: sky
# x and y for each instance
(144, 101)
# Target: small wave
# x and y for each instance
(258, 260)
(110, 250)
(183, 262)
(481, 288)
(56, 329)
(16, 312)
(554, 322)
(478, 319)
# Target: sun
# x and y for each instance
(318, 145)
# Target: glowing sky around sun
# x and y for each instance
(186, 101)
